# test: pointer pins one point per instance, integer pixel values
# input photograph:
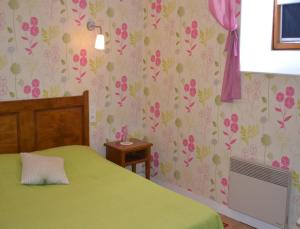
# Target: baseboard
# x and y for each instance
(222, 209)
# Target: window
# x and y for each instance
(256, 43)
(286, 25)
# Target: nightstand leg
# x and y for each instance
(133, 168)
(147, 169)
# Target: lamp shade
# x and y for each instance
(100, 44)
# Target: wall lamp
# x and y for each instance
(100, 42)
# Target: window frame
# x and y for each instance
(276, 43)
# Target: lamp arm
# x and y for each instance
(91, 26)
(99, 27)
(100, 40)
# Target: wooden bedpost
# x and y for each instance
(86, 123)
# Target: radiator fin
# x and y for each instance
(260, 172)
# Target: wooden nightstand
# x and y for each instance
(122, 155)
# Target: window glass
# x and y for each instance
(290, 28)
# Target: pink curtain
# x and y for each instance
(224, 11)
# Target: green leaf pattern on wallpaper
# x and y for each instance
(46, 51)
(196, 140)
(161, 77)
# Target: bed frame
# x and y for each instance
(29, 125)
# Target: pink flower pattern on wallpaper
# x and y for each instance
(30, 31)
(78, 10)
(284, 163)
(155, 66)
(121, 88)
(156, 8)
(122, 134)
(191, 36)
(189, 149)
(231, 128)
(154, 115)
(224, 190)
(286, 102)
(33, 89)
(191, 54)
(189, 94)
(121, 37)
(80, 61)
(154, 164)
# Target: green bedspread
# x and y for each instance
(100, 195)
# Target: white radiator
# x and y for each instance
(259, 191)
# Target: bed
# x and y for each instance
(100, 194)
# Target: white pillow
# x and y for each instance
(38, 169)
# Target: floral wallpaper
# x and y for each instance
(160, 78)
(47, 51)
(194, 133)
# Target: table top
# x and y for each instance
(137, 145)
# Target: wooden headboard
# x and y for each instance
(29, 125)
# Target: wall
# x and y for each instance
(46, 51)
(172, 91)
(266, 59)
(194, 133)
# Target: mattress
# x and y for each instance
(100, 195)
